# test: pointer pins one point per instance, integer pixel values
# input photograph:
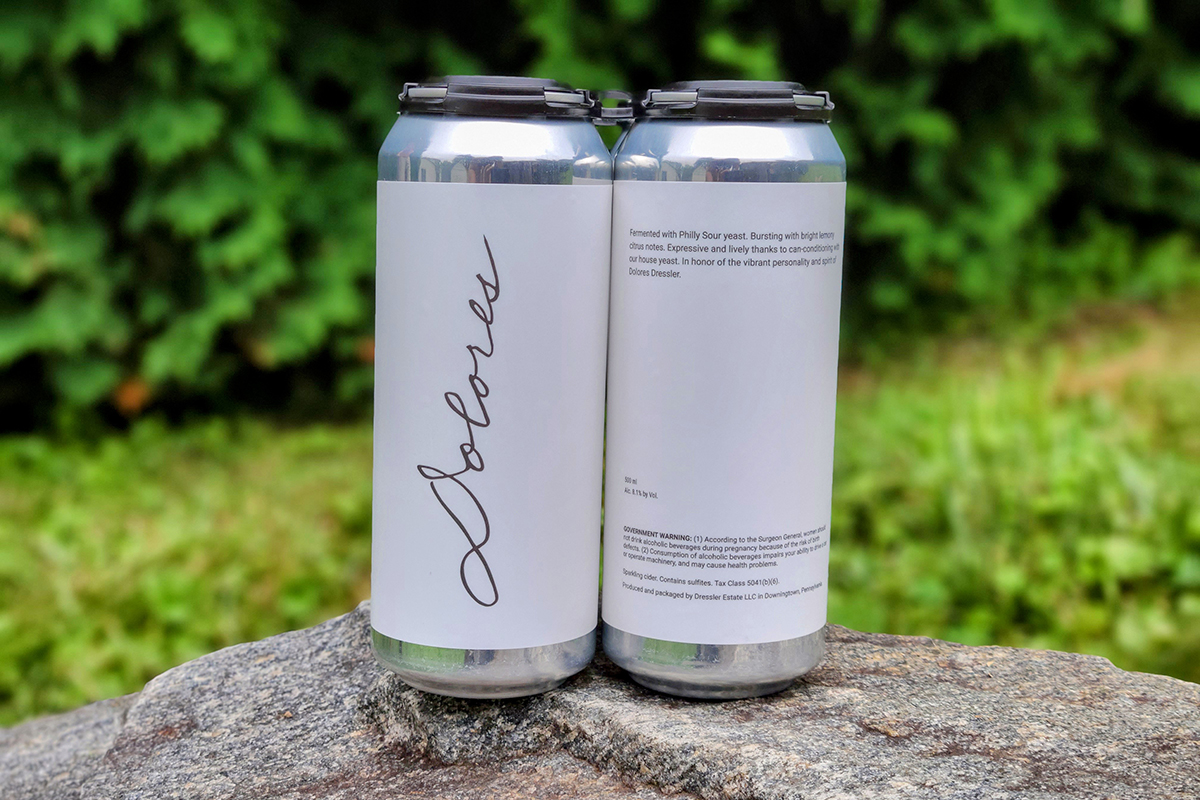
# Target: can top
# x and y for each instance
(737, 100)
(496, 96)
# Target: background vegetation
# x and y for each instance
(185, 199)
(1040, 495)
(186, 254)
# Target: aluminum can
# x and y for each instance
(491, 322)
(728, 223)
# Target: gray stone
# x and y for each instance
(309, 714)
(53, 756)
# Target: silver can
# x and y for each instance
(491, 320)
(729, 201)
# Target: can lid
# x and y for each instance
(737, 100)
(495, 96)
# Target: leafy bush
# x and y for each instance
(185, 186)
(1043, 500)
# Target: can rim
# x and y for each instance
(737, 100)
(496, 96)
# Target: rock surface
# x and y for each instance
(309, 715)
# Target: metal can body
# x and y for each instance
(506, 149)
(696, 149)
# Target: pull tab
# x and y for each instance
(415, 91)
(620, 114)
(813, 100)
(661, 98)
(568, 98)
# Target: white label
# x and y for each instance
(490, 336)
(721, 389)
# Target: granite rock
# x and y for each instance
(309, 714)
(52, 757)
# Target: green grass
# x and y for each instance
(1043, 500)
(123, 558)
(1040, 494)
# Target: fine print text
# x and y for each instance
(729, 563)
(662, 253)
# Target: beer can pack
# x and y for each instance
(498, 214)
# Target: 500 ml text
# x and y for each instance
(445, 484)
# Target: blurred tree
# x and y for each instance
(185, 186)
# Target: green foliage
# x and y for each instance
(1039, 160)
(178, 206)
(1045, 499)
(123, 558)
(185, 186)
(1001, 511)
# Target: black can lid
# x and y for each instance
(737, 100)
(495, 96)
